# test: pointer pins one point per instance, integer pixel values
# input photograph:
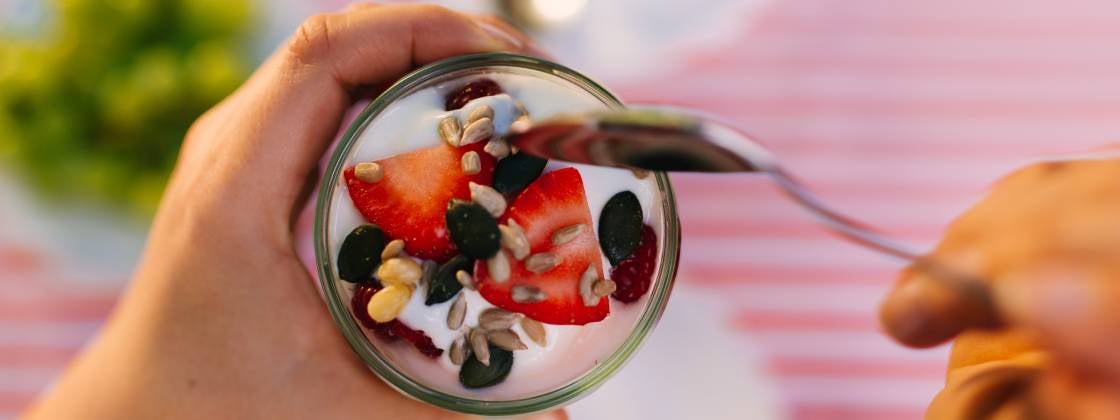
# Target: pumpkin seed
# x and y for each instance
(428, 269)
(620, 226)
(473, 229)
(535, 330)
(506, 339)
(475, 374)
(443, 285)
(516, 172)
(360, 252)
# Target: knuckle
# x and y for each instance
(312, 39)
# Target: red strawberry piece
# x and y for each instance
(633, 276)
(410, 201)
(554, 201)
(471, 91)
(391, 330)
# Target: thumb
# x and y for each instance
(923, 311)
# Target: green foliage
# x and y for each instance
(97, 104)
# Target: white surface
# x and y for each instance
(691, 368)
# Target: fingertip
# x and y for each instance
(921, 312)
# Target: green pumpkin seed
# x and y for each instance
(474, 374)
(360, 253)
(473, 229)
(620, 226)
(443, 285)
(516, 172)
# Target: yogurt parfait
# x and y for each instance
(478, 278)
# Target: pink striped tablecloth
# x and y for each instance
(902, 112)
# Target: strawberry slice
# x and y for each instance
(554, 201)
(410, 200)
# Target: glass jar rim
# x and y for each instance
(339, 309)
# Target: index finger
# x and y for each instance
(290, 109)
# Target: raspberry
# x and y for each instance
(473, 90)
(391, 330)
(634, 275)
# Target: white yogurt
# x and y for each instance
(571, 350)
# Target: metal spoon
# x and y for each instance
(660, 139)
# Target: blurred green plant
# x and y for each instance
(96, 105)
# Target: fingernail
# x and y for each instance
(1051, 297)
(499, 33)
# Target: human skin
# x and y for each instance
(1047, 239)
(220, 319)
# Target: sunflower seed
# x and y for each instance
(585, 285)
(640, 173)
(480, 112)
(477, 131)
(465, 279)
(459, 350)
(498, 266)
(506, 339)
(479, 345)
(392, 250)
(450, 131)
(488, 198)
(567, 234)
(513, 239)
(497, 148)
(542, 262)
(457, 313)
(497, 319)
(603, 287)
(368, 172)
(535, 330)
(471, 163)
(428, 270)
(524, 293)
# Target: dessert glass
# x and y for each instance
(365, 345)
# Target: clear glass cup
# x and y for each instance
(333, 289)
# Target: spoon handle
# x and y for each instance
(866, 236)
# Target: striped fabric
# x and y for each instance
(900, 112)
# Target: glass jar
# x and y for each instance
(335, 291)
